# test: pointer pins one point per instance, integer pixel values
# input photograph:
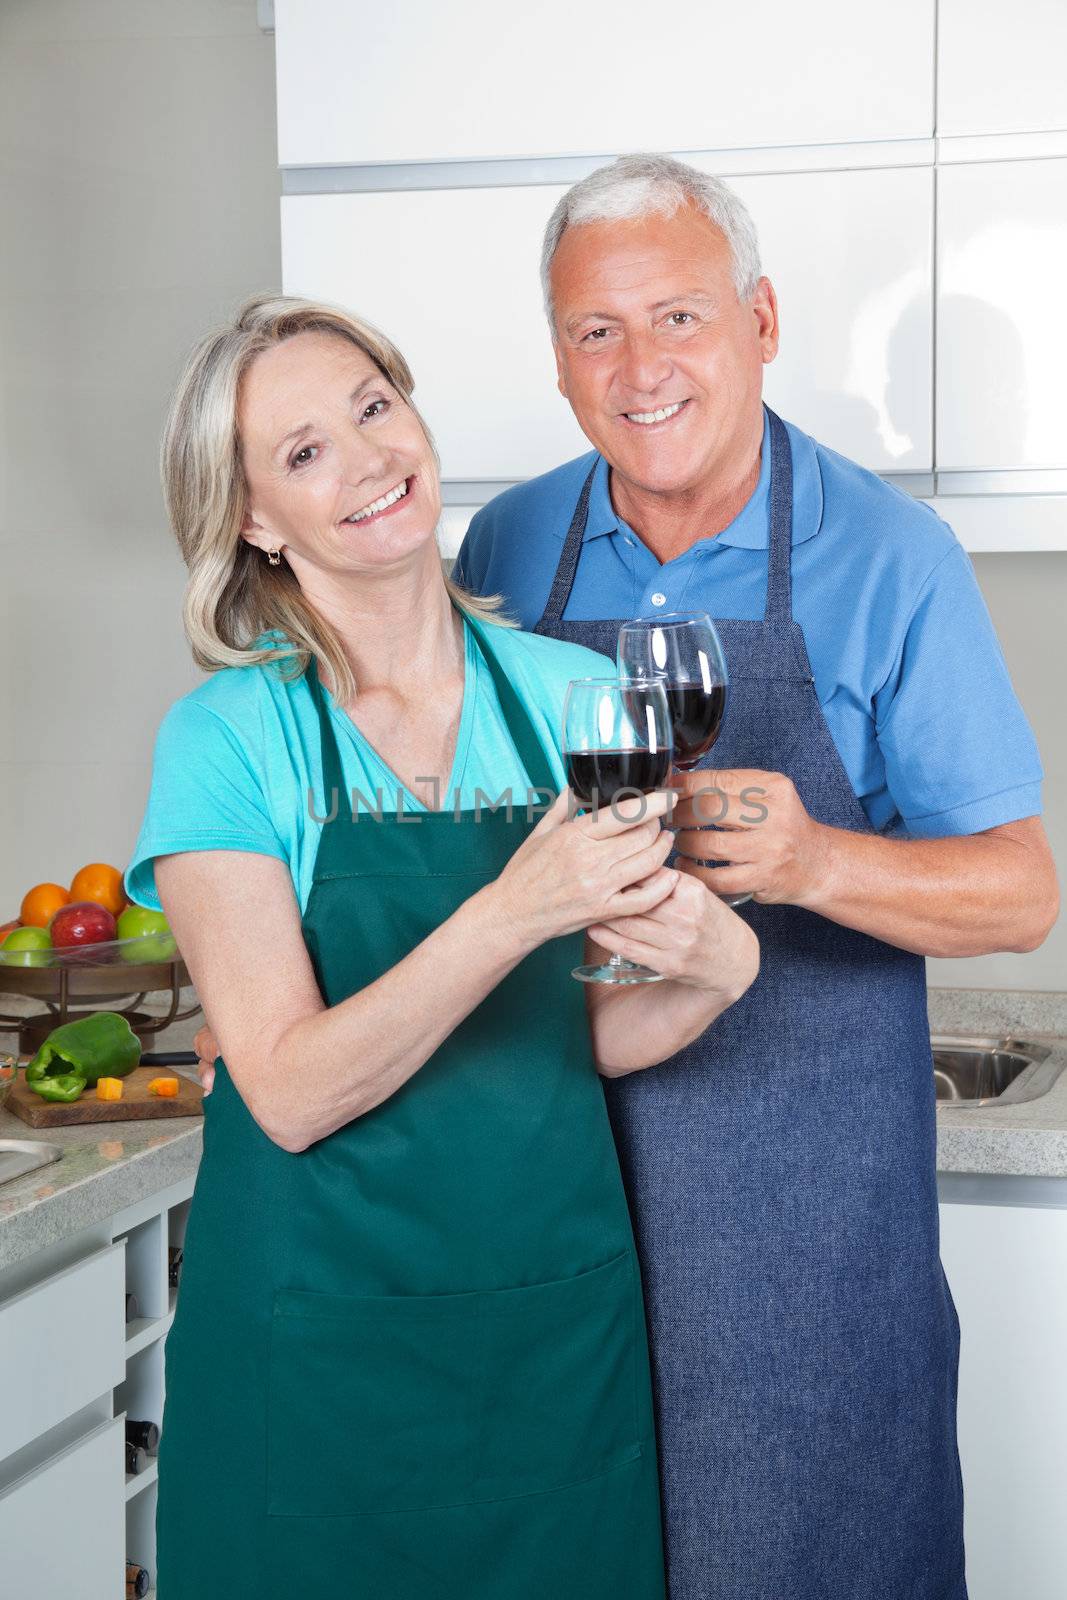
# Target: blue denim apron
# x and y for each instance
(781, 1172)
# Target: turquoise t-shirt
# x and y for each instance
(238, 765)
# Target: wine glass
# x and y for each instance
(616, 743)
(682, 650)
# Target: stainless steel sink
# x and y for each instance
(990, 1072)
(19, 1156)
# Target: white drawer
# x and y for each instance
(65, 1339)
(63, 1528)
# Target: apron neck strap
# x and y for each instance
(332, 778)
(563, 582)
(523, 734)
(780, 537)
(779, 607)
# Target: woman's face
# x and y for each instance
(325, 440)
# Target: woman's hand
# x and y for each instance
(207, 1048)
(691, 936)
(709, 956)
(573, 871)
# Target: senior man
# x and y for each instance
(782, 1168)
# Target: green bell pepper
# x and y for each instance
(101, 1046)
(65, 1087)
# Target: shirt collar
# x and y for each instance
(750, 528)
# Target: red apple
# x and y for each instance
(84, 922)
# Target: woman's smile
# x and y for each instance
(383, 505)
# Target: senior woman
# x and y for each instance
(409, 1356)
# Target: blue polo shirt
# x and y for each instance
(907, 667)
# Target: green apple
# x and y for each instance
(27, 947)
(155, 942)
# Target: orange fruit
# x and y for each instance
(101, 884)
(5, 929)
(41, 903)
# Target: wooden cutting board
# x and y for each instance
(136, 1103)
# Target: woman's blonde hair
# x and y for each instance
(233, 595)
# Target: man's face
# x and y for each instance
(648, 320)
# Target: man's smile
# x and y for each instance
(649, 419)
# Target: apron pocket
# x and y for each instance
(406, 1403)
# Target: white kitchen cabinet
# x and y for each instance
(453, 277)
(1001, 355)
(76, 1367)
(85, 1369)
(850, 255)
(62, 1528)
(1001, 69)
(419, 81)
(1007, 1268)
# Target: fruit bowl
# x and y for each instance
(115, 976)
(88, 944)
(147, 948)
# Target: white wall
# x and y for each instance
(1027, 597)
(138, 203)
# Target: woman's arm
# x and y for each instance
(305, 1069)
(708, 956)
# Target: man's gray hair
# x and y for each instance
(649, 185)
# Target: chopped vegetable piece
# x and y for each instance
(109, 1088)
(63, 1086)
(167, 1087)
(103, 1045)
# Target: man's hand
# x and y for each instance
(775, 851)
(962, 895)
(206, 1046)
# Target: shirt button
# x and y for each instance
(659, 599)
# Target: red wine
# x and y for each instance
(605, 772)
(696, 716)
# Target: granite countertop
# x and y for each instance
(106, 1167)
(1028, 1140)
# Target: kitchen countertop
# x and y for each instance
(1028, 1140)
(105, 1168)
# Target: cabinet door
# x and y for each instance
(1001, 69)
(1001, 350)
(63, 1528)
(420, 81)
(70, 1329)
(452, 276)
(850, 256)
(1007, 1268)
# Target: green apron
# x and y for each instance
(409, 1363)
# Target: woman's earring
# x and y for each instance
(274, 558)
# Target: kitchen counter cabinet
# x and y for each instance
(75, 1368)
(1002, 1177)
(1005, 1257)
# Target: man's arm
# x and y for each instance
(964, 896)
